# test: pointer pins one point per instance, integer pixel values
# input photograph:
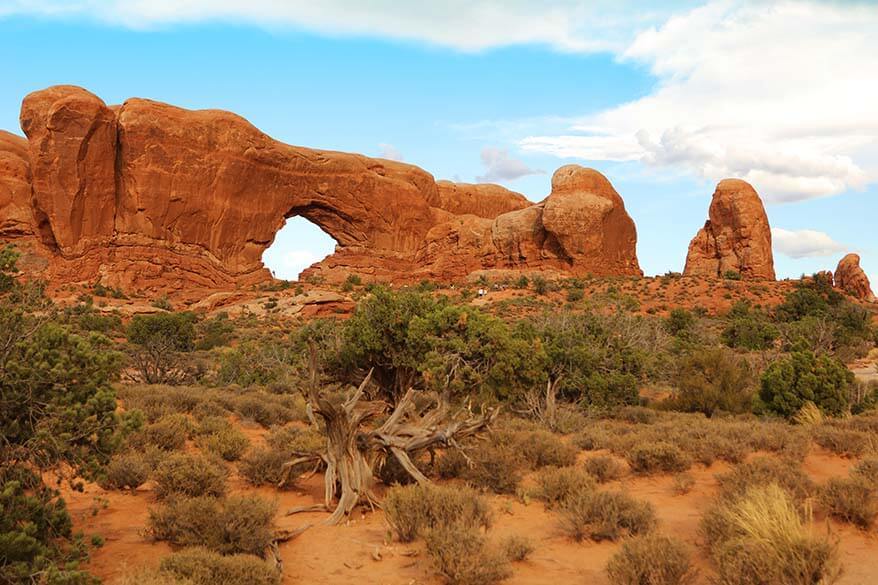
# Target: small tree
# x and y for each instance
(803, 376)
(713, 380)
(157, 341)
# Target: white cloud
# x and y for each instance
(290, 263)
(390, 152)
(469, 25)
(804, 243)
(778, 93)
(499, 166)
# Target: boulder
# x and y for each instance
(851, 278)
(736, 237)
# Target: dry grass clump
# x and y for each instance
(412, 510)
(762, 471)
(593, 438)
(867, 469)
(683, 483)
(127, 471)
(760, 538)
(294, 438)
(150, 577)
(851, 499)
(605, 516)
(604, 468)
(463, 556)
(200, 566)
(239, 524)
(659, 457)
(452, 464)
(651, 559)
(267, 409)
(555, 485)
(189, 475)
(263, 465)
(517, 548)
(843, 441)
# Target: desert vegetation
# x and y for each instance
(478, 439)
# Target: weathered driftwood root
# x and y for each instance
(352, 454)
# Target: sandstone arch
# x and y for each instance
(147, 195)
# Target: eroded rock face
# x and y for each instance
(148, 196)
(849, 277)
(736, 238)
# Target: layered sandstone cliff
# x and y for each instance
(851, 278)
(148, 196)
(736, 237)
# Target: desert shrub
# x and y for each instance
(712, 380)
(215, 332)
(150, 577)
(788, 442)
(592, 439)
(169, 433)
(538, 448)
(392, 472)
(842, 441)
(761, 538)
(498, 468)
(867, 469)
(651, 559)
(679, 322)
(683, 483)
(604, 468)
(264, 465)
(789, 382)
(412, 510)
(750, 331)
(127, 471)
(189, 475)
(239, 524)
(640, 415)
(200, 566)
(228, 443)
(556, 485)
(605, 516)
(307, 440)
(262, 409)
(452, 464)
(762, 471)
(463, 557)
(517, 548)
(851, 500)
(657, 457)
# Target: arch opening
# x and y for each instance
(297, 245)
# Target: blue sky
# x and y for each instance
(664, 103)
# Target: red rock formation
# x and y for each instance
(736, 238)
(149, 196)
(849, 277)
(16, 209)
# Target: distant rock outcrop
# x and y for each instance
(148, 196)
(849, 277)
(736, 238)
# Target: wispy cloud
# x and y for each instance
(804, 243)
(390, 152)
(500, 166)
(795, 117)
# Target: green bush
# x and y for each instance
(239, 524)
(412, 510)
(189, 475)
(176, 328)
(651, 559)
(751, 332)
(605, 516)
(200, 566)
(803, 376)
(659, 457)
